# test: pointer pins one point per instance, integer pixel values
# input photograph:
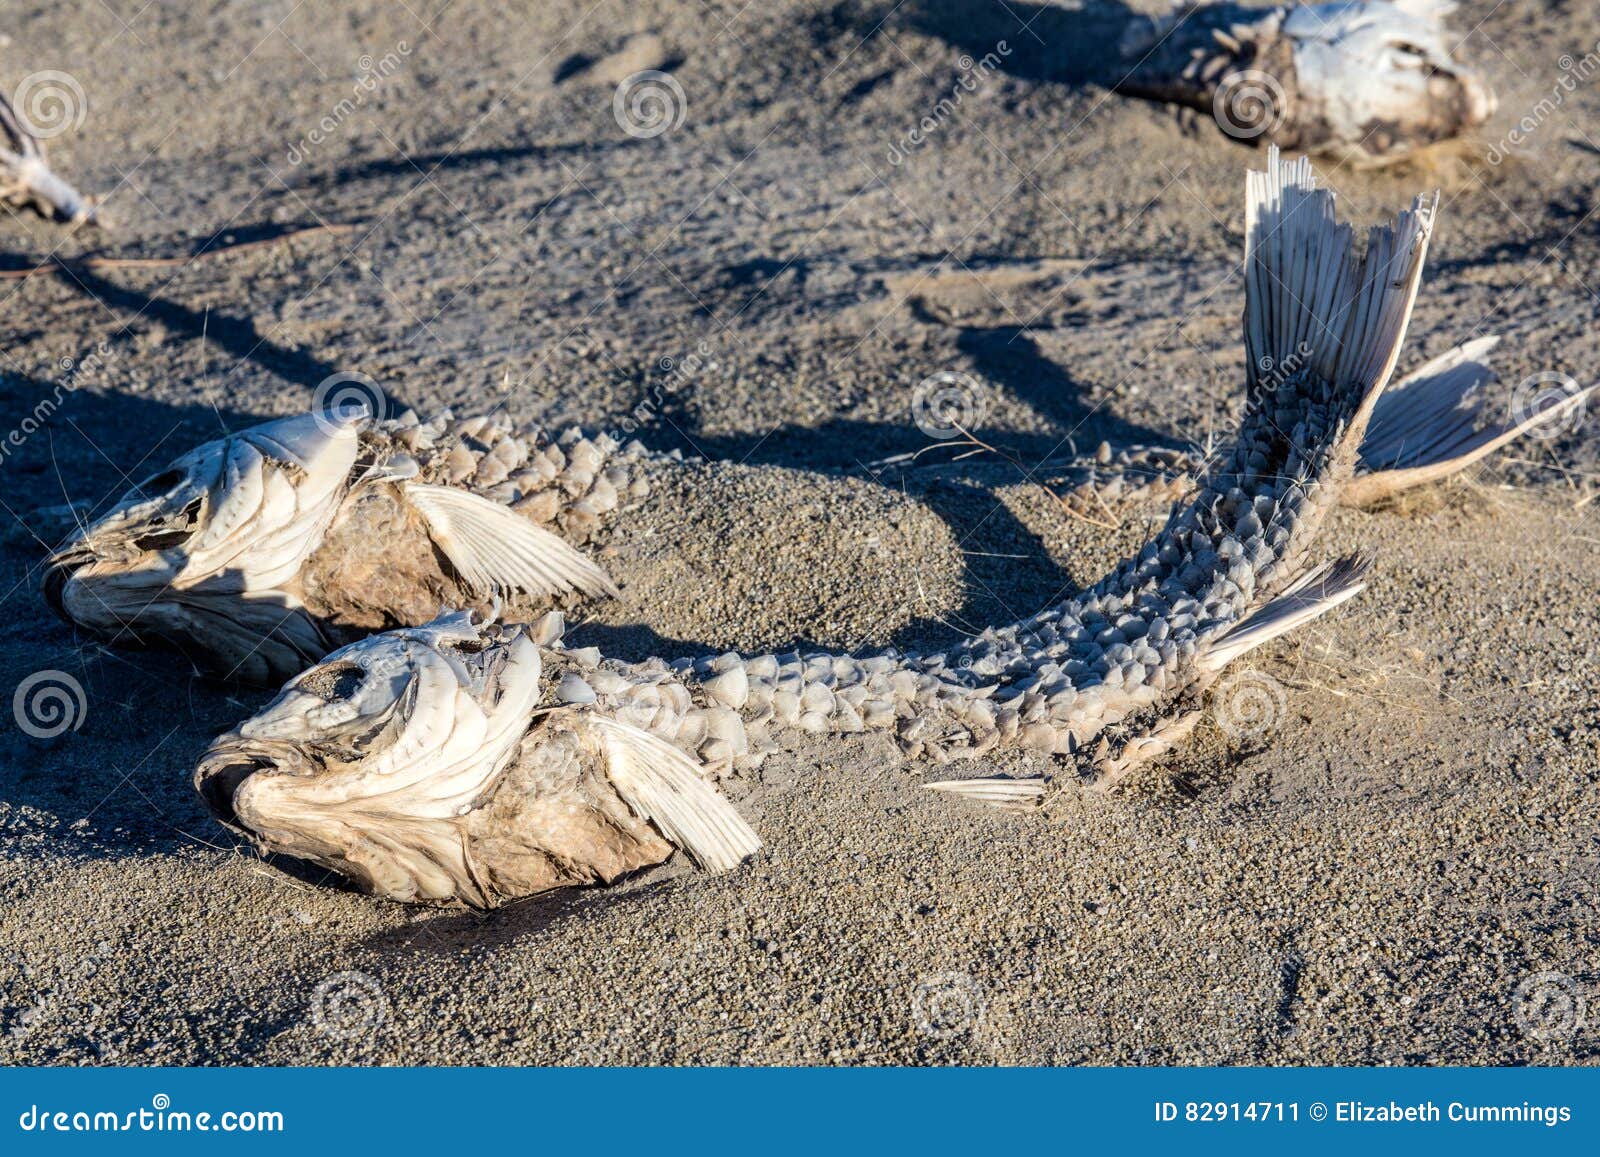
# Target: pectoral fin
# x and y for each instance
(498, 551)
(665, 786)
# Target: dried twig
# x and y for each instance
(979, 445)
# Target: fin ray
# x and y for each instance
(498, 551)
(1005, 794)
(666, 787)
(1315, 593)
(1426, 427)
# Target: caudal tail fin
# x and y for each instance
(1323, 329)
(1311, 305)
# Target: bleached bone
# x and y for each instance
(27, 179)
(363, 764)
(261, 552)
(1366, 81)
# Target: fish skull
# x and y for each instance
(423, 765)
(1380, 75)
(211, 547)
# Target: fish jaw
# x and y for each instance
(254, 637)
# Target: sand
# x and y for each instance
(1371, 879)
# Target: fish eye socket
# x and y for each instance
(335, 681)
(166, 540)
(175, 535)
(161, 483)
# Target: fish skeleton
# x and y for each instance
(466, 762)
(1365, 81)
(259, 553)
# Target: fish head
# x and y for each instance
(436, 765)
(204, 554)
(1378, 79)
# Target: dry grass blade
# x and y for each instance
(980, 446)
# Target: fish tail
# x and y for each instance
(1323, 330)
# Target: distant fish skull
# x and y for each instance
(421, 765)
(1380, 78)
(1367, 81)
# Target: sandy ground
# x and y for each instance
(1373, 879)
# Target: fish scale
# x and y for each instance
(569, 481)
(1131, 640)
